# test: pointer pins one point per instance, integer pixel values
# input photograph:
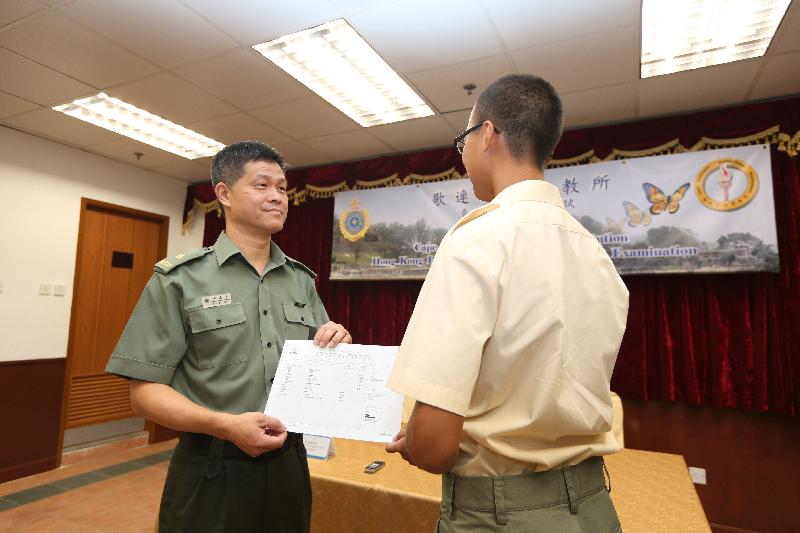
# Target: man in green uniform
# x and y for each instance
(202, 348)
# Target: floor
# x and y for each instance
(119, 492)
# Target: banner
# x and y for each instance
(707, 211)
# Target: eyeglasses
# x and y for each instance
(458, 142)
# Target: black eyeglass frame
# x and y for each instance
(458, 142)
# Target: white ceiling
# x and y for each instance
(190, 61)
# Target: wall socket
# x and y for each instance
(45, 289)
(698, 475)
(59, 289)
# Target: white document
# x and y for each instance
(339, 392)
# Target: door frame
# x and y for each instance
(163, 235)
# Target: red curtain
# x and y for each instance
(725, 340)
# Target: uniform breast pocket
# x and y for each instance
(299, 321)
(219, 335)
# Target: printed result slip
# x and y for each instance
(339, 392)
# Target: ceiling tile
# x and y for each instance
(523, 24)
(55, 125)
(349, 145)
(245, 79)
(696, 89)
(124, 150)
(166, 33)
(574, 64)
(14, 10)
(774, 79)
(172, 98)
(597, 106)
(416, 134)
(12, 105)
(443, 87)
(458, 119)
(188, 171)
(238, 127)
(66, 46)
(787, 38)
(31, 81)
(414, 35)
(297, 154)
(255, 21)
(305, 118)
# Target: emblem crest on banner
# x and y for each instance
(354, 222)
(726, 184)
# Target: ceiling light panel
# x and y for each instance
(336, 63)
(128, 120)
(680, 35)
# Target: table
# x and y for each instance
(651, 491)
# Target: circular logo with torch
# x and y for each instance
(726, 184)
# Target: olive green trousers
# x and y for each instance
(213, 486)
(569, 500)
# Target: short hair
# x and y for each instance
(528, 112)
(228, 165)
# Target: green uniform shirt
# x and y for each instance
(213, 328)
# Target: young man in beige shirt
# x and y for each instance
(512, 343)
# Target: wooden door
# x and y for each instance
(117, 248)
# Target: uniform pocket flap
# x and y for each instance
(295, 313)
(216, 317)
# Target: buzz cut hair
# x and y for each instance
(528, 112)
(228, 165)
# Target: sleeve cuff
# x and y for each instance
(430, 393)
(141, 370)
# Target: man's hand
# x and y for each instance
(330, 334)
(255, 433)
(399, 445)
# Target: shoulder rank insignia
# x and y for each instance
(295, 262)
(477, 213)
(169, 263)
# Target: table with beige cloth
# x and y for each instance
(651, 491)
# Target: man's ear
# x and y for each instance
(489, 136)
(222, 191)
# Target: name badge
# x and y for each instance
(216, 300)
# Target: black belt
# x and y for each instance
(206, 444)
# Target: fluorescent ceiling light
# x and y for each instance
(128, 120)
(688, 34)
(336, 63)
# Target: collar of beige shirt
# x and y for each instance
(530, 190)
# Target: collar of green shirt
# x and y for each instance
(530, 190)
(225, 248)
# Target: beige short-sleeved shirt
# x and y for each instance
(517, 328)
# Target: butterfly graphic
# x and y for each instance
(614, 226)
(636, 216)
(662, 202)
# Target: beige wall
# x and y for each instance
(42, 183)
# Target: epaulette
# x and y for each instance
(169, 263)
(295, 262)
(477, 213)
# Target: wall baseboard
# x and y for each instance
(751, 460)
(29, 416)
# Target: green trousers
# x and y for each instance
(213, 486)
(569, 500)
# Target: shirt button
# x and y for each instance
(272, 379)
(269, 345)
(265, 311)
(219, 321)
(302, 319)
